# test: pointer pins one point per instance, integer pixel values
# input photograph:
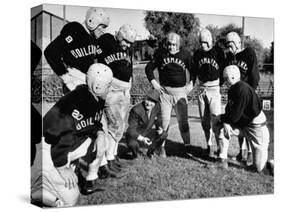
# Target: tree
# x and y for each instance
(159, 24)
(269, 59)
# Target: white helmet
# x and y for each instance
(234, 38)
(127, 32)
(95, 17)
(206, 37)
(174, 37)
(231, 73)
(99, 78)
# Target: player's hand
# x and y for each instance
(157, 86)
(228, 131)
(77, 75)
(146, 141)
(159, 131)
(68, 81)
(68, 176)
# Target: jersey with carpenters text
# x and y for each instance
(74, 47)
(173, 69)
(246, 61)
(208, 66)
(110, 53)
(73, 119)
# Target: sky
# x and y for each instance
(260, 28)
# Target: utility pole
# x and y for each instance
(64, 12)
(243, 32)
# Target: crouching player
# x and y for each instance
(73, 129)
(244, 113)
(142, 118)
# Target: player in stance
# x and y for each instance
(73, 129)
(208, 67)
(114, 52)
(73, 51)
(174, 67)
(246, 60)
(142, 118)
(244, 112)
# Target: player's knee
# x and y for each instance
(72, 197)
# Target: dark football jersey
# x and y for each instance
(111, 54)
(74, 118)
(172, 68)
(74, 47)
(246, 60)
(208, 66)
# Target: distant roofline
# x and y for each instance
(51, 14)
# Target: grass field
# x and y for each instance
(179, 177)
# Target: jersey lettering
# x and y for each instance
(84, 51)
(177, 61)
(207, 60)
(68, 39)
(77, 115)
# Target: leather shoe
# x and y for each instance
(104, 172)
(91, 187)
(111, 165)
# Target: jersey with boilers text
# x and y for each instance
(111, 54)
(208, 66)
(73, 119)
(173, 69)
(246, 61)
(74, 47)
(243, 105)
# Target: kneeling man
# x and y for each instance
(72, 130)
(244, 113)
(142, 118)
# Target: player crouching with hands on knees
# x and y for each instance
(142, 118)
(244, 117)
(73, 129)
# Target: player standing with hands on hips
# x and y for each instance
(174, 67)
(208, 64)
(73, 51)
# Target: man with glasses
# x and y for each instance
(174, 67)
(208, 66)
(114, 51)
(73, 51)
(246, 60)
